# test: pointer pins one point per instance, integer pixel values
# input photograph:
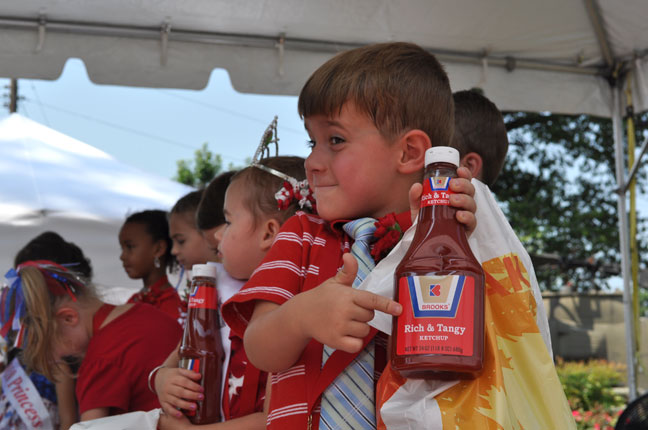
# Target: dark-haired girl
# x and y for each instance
(146, 255)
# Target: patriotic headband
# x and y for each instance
(59, 282)
(291, 189)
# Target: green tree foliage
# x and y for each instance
(558, 190)
(199, 171)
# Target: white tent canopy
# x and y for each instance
(551, 55)
(54, 182)
(509, 48)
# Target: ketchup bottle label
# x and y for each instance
(437, 315)
(203, 297)
(190, 364)
(436, 191)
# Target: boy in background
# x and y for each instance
(480, 135)
(371, 113)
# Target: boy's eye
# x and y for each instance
(336, 140)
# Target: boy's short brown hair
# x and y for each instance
(400, 86)
(479, 128)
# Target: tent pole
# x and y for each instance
(624, 239)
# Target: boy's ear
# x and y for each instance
(270, 229)
(413, 145)
(474, 163)
(67, 316)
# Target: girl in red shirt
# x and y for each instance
(146, 255)
(189, 245)
(61, 320)
(259, 199)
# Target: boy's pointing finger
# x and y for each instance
(369, 300)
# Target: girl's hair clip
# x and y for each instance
(291, 187)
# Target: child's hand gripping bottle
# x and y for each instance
(202, 348)
(440, 285)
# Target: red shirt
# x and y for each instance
(114, 371)
(167, 300)
(245, 386)
(307, 251)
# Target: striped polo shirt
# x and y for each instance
(306, 252)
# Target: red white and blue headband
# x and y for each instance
(291, 189)
(59, 281)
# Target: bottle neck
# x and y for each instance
(204, 281)
(435, 202)
(440, 170)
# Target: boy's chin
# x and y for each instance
(334, 215)
(328, 216)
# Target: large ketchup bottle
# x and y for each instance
(202, 348)
(440, 283)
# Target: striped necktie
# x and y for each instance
(349, 402)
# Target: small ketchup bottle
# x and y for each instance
(202, 348)
(440, 284)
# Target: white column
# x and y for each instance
(617, 126)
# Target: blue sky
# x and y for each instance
(153, 128)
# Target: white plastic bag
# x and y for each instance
(131, 421)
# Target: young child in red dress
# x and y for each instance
(146, 255)
(259, 199)
(371, 113)
(190, 246)
(62, 320)
(209, 214)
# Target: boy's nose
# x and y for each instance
(314, 160)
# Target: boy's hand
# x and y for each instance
(462, 200)
(176, 388)
(336, 315)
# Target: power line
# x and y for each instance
(39, 103)
(23, 107)
(119, 127)
(127, 129)
(227, 111)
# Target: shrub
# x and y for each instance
(589, 390)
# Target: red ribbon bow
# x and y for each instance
(388, 233)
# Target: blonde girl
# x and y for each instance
(62, 320)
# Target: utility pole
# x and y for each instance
(13, 96)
